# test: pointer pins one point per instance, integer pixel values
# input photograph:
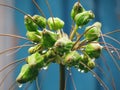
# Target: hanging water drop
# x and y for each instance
(70, 73)
(45, 68)
(20, 85)
(101, 84)
(79, 70)
(112, 51)
(82, 71)
(68, 68)
(94, 76)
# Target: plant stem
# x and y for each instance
(62, 77)
(73, 32)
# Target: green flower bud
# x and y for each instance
(63, 45)
(48, 38)
(36, 48)
(33, 36)
(93, 32)
(55, 23)
(93, 49)
(29, 23)
(72, 58)
(40, 21)
(91, 64)
(77, 8)
(35, 60)
(83, 18)
(27, 74)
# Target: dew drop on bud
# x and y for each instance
(79, 70)
(68, 68)
(20, 85)
(70, 73)
(45, 68)
(82, 71)
(112, 51)
(93, 75)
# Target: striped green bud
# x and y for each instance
(63, 45)
(93, 32)
(36, 48)
(77, 8)
(72, 58)
(91, 64)
(83, 18)
(48, 38)
(30, 24)
(35, 60)
(93, 49)
(55, 23)
(33, 36)
(40, 21)
(27, 74)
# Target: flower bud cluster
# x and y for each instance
(53, 45)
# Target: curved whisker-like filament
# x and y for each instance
(96, 76)
(117, 65)
(10, 71)
(71, 76)
(38, 7)
(108, 68)
(116, 31)
(15, 47)
(49, 8)
(43, 78)
(14, 8)
(104, 74)
(5, 67)
(37, 84)
(112, 39)
(111, 48)
(13, 52)
(12, 86)
(14, 36)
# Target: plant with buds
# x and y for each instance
(52, 45)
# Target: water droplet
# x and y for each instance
(68, 68)
(45, 68)
(44, 51)
(79, 70)
(20, 85)
(70, 74)
(94, 76)
(101, 84)
(82, 71)
(112, 51)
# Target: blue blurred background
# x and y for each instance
(106, 11)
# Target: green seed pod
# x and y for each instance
(91, 64)
(55, 23)
(48, 38)
(30, 24)
(77, 8)
(40, 21)
(63, 45)
(27, 74)
(36, 48)
(93, 49)
(93, 32)
(35, 60)
(84, 59)
(34, 36)
(83, 18)
(49, 56)
(72, 58)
